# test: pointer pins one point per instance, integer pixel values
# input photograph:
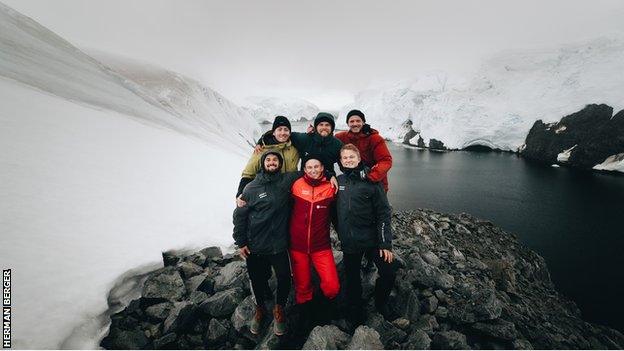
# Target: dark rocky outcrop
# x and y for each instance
(464, 284)
(435, 144)
(589, 135)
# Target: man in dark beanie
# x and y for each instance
(280, 121)
(277, 139)
(320, 143)
(356, 113)
(261, 233)
(373, 149)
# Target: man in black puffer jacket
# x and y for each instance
(261, 233)
(363, 225)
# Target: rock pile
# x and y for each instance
(464, 284)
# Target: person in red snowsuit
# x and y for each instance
(373, 149)
(310, 244)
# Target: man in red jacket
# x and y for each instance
(372, 147)
(309, 239)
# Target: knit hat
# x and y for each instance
(356, 113)
(280, 121)
(271, 152)
(324, 117)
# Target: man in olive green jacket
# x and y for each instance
(277, 139)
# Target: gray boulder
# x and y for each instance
(387, 331)
(418, 340)
(189, 269)
(164, 284)
(222, 303)
(450, 340)
(327, 337)
(427, 275)
(233, 274)
(482, 306)
(181, 317)
(216, 332)
(159, 311)
(497, 328)
(243, 313)
(165, 342)
(365, 338)
(212, 253)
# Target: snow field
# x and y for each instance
(89, 194)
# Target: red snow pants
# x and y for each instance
(324, 265)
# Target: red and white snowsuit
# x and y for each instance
(309, 238)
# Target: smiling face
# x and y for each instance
(281, 134)
(355, 124)
(324, 129)
(349, 158)
(314, 168)
(271, 163)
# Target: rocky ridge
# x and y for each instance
(464, 284)
(583, 139)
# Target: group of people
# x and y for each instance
(283, 216)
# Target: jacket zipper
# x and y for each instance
(310, 220)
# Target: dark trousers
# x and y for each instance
(383, 284)
(259, 269)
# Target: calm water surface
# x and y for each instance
(574, 219)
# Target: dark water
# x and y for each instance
(574, 219)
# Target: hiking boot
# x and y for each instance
(279, 320)
(256, 320)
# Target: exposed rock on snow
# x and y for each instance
(590, 138)
(464, 284)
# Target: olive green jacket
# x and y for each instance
(287, 150)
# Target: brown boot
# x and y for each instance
(279, 320)
(256, 320)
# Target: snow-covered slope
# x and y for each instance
(266, 108)
(32, 54)
(100, 171)
(498, 106)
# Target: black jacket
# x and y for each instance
(313, 145)
(362, 214)
(262, 225)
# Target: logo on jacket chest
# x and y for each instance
(305, 192)
(341, 187)
(262, 195)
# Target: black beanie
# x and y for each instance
(271, 152)
(324, 117)
(356, 113)
(280, 121)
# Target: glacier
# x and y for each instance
(497, 105)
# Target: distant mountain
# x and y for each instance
(34, 55)
(264, 109)
(500, 103)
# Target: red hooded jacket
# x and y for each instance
(311, 216)
(374, 152)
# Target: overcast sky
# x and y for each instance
(323, 51)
